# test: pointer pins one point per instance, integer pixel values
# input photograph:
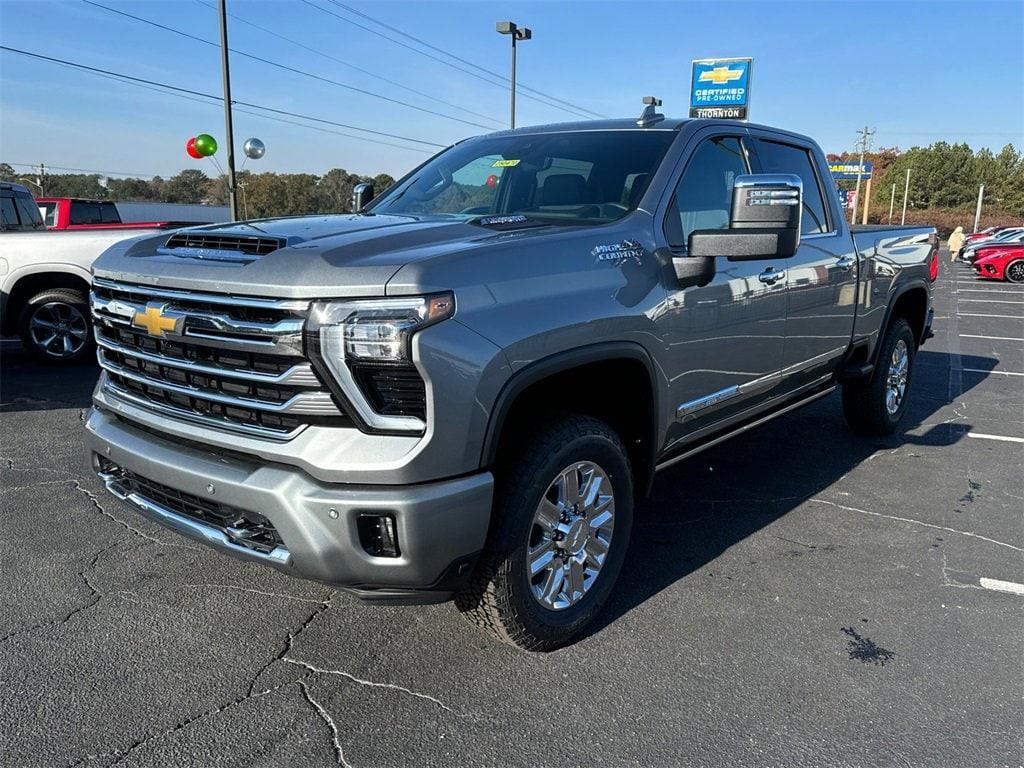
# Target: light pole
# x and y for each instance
(516, 33)
(228, 129)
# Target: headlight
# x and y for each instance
(366, 346)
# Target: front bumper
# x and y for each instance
(441, 526)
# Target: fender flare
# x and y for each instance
(904, 287)
(11, 281)
(563, 361)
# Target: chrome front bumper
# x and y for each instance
(441, 526)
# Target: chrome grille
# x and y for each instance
(231, 363)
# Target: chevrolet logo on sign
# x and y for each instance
(720, 75)
(157, 321)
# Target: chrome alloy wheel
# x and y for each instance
(896, 381)
(1015, 272)
(59, 329)
(570, 535)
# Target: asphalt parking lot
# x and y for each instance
(799, 596)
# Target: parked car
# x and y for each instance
(80, 213)
(1008, 236)
(982, 234)
(1004, 262)
(44, 279)
(460, 390)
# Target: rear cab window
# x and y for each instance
(779, 157)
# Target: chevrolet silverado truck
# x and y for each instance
(78, 213)
(460, 390)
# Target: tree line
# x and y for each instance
(259, 194)
(944, 182)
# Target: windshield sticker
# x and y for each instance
(619, 252)
(504, 164)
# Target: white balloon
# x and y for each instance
(254, 149)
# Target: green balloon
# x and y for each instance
(206, 145)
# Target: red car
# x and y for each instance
(1001, 263)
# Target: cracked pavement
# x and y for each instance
(799, 596)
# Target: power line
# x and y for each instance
(287, 68)
(191, 92)
(335, 59)
(487, 79)
(424, 43)
(84, 170)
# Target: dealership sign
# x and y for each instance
(849, 170)
(720, 88)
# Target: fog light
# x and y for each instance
(378, 535)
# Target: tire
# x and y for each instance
(868, 404)
(1014, 271)
(55, 329)
(500, 597)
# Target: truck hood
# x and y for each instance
(322, 256)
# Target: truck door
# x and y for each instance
(822, 275)
(730, 332)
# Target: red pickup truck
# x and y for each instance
(75, 213)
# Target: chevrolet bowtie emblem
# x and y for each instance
(155, 321)
(720, 75)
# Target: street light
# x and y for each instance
(516, 33)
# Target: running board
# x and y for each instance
(744, 428)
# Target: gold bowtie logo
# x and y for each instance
(720, 75)
(154, 321)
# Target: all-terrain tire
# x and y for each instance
(866, 402)
(499, 596)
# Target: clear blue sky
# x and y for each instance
(917, 72)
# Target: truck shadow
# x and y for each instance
(700, 508)
(25, 385)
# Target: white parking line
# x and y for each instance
(989, 301)
(978, 314)
(1001, 438)
(998, 373)
(1002, 586)
(997, 338)
(989, 290)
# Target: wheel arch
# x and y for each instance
(620, 363)
(911, 302)
(31, 281)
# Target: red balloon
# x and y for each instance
(492, 181)
(190, 147)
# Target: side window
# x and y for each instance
(785, 158)
(703, 197)
(85, 213)
(10, 216)
(28, 211)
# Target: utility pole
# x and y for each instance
(906, 189)
(516, 33)
(39, 180)
(228, 129)
(865, 144)
(892, 202)
(977, 212)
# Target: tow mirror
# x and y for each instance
(764, 223)
(362, 194)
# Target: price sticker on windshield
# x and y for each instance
(504, 164)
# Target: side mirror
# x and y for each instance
(764, 223)
(362, 194)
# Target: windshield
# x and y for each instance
(584, 177)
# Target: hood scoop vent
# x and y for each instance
(218, 247)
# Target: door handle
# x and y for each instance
(771, 276)
(845, 262)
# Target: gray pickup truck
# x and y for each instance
(460, 390)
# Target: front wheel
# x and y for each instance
(1014, 271)
(875, 406)
(562, 516)
(54, 327)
